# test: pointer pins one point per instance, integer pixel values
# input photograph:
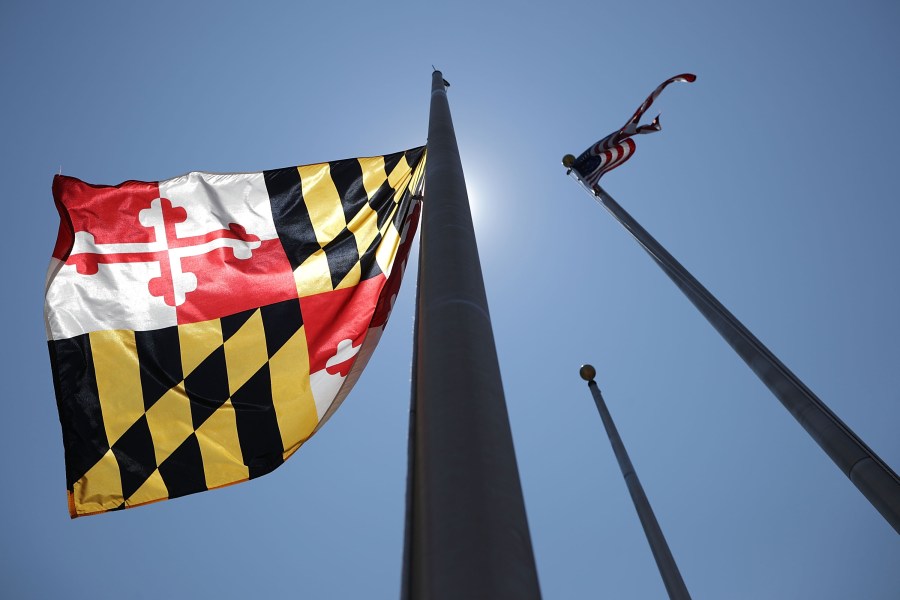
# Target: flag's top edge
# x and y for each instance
(61, 177)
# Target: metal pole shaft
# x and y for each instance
(664, 560)
(469, 534)
(871, 475)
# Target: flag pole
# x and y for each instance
(671, 576)
(467, 532)
(868, 472)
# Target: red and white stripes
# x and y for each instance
(610, 157)
(616, 148)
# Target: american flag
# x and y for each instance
(617, 147)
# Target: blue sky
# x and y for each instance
(773, 181)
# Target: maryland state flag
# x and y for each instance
(202, 328)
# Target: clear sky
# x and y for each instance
(773, 181)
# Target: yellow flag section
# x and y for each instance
(202, 328)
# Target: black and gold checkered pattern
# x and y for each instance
(165, 413)
(340, 221)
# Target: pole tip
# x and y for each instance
(587, 372)
(568, 161)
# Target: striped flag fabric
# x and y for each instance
(616, 148)
(202, 328)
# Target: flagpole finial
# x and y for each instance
(587, 372)
(568, 161)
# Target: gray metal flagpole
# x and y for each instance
(467, 533)
(671, 576)
(871, 475)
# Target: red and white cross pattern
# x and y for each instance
(152, 255)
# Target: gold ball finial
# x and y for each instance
(587, 372)
(568, 161)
